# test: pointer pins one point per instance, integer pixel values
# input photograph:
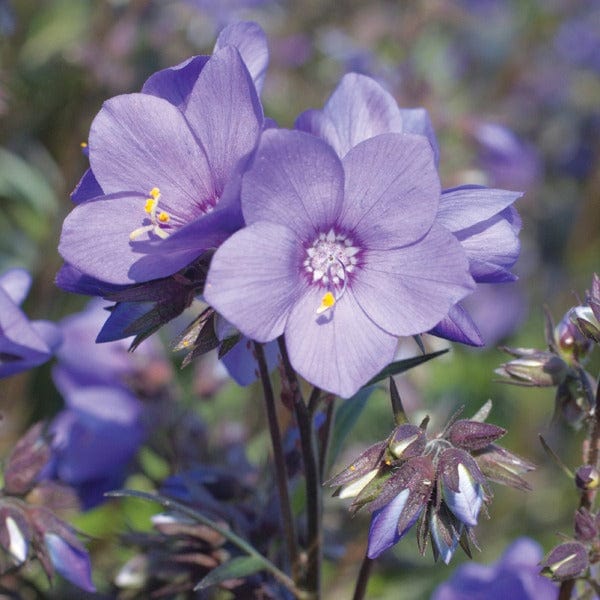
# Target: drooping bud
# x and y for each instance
(538, 369)
(15, 532)
(473, 435)
(587, 478)
(445, 533)
(585, 320)
(502, 466)
(406, 442)
(566, 561)
(572, 344)
(586, 528)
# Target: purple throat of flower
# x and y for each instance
(330, 260)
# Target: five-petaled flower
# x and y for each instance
(340, 256)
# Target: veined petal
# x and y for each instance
(409, 290)
(466, 503)
(458, 326)
(383, 532)
(251, 42)
(296, 180)
(224, 112)
(139, 142)
(357, 110)
(339, 350)
(254, 280)
(417, 121)
(175, 84)
(469, 205)
(87, 188)
(392, 190)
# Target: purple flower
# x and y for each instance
(515, 575)
(341, 256)
(23, 344)
(166, 164)
(482, 219)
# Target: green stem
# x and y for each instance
(226, 533)
(281, 475)
(311, 474)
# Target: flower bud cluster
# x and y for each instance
(29, 527)
(439, 482)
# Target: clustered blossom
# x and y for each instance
(23, 344)
(439, 482)
(29, 525)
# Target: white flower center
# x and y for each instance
(329, 260)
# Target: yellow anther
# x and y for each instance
(155, 193)
(327, 301)
(163, 217)
(352, 468)
(83, 144)
(150, 205)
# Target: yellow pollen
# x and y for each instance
(163, 217)
(83, 144)
(155, 193)
(150, 205)
(352, 468)
(327, 301)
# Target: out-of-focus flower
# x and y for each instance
(340, 256)
(23, 344)
(566, 561)
(438, 481)
(514, 575)
(587, 317)
(483, 220)
(534, 368)
(165, 165)
(29, 526)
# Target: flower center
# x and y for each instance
(159, 219)
(329, 260)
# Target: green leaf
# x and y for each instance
(401, 366)
(236, 568)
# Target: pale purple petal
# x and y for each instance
(95, 237)
(224, 112)
(392, 190)
(458, 326)
(409, 290)
(416, 120)
(446, 551)
(340, 350)
(241, 363)
(466, 503)
(254, 280)
(358, 109)
(296, 180)
(49, 333)
(73, 280)
(87, 188)
(465, 206)
(138, 142)
(176, 83)
(251, 42)
(16, 283)
(383, 532)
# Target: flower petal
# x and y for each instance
(357, 110)
(417, 121)
(340, 350)
(254, 281)
(251, 42)
(224, 112)
(87, 188)
(16, 283)
(392, 190)
(409, 290)
(71, 562)
(457, 326)
(139, 142)
(296, 180)
(383, 532)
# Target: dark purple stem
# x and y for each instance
(363, 578)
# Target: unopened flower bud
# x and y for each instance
(586, 528)
(473, 435)
(585, 320)
(541, 369)
(567, 561)
(570, 341)
(406, 442)
(587, 478)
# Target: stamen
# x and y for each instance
(327, 301)
(150, 205)
(156, 220)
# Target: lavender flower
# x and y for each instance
(340, 256)
(23, 344)
(482, 219)
(514, 575)
(165, 165)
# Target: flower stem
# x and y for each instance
(312, 477)
(363, 578)
(285, 506)
(326, 436)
